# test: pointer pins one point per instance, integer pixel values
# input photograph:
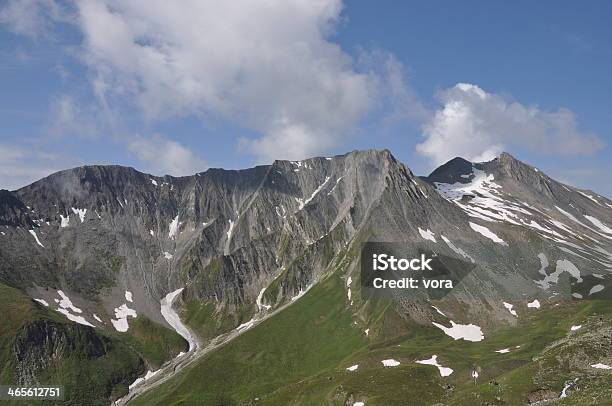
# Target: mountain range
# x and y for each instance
(243, 287)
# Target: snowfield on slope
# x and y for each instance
(444, 371)
(487, 233)
(121, 314)
(467, 332)
(174, 320)
(427, 234)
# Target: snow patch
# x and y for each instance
(567, 385)
(66, 303)
(574, 219)
(317, 190)
(538, 227)
(390, 362)
(352, 368)
(154, 182)
(174, 320)
(80, 212)
(66, 306)
(468, 332)
(601, 366)
(167, 255)
(487, 233)
(128, 296)
(510, 307)
(42, 302)
(485, 201)
(36, 238)
(121, 314)
(334, 187)
(427, 235)
(147, 376)
(562, 266)
(577, 327)
(543, 263)
(247, 325)
(439, 311)
(95, 316)
(444, 371)
(588, 196)
(599, 224)
(562, 226)
(259, 301)
(503, 351)
(535, 304)
(173, 227)
(136, 382)
(75, 318)
(65, 221)
(230, 230)
(596, 288)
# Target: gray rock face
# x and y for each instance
(43, 342)
(248, 241)
(12, 211)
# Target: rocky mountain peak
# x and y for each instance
(12, 211)
(455, 170)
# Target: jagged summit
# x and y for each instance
(92, 176)
(451, 171)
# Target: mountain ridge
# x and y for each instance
(241, 244)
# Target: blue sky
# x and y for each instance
(177, 87)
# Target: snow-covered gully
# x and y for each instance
(172, 367)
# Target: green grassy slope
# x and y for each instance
(313, 335)
(300, 357)
(94, 366)
(154, 342)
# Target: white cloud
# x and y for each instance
(478, 125)
(165, 156)
(269, 68)
(31, 17)
(266, 66)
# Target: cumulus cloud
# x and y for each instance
(478, 125)
(266, 66)
(164, 156)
